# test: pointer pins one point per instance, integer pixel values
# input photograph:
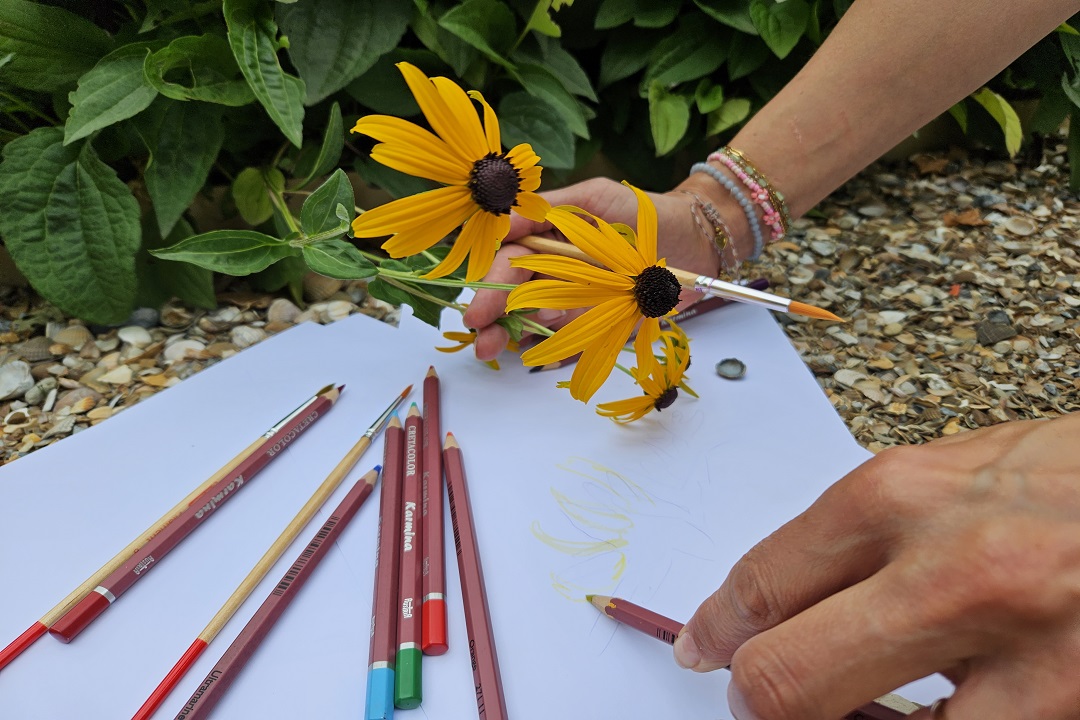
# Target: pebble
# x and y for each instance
(731, 368)
(15, 379)
(135, 335)
(243, 336)
(182, 349)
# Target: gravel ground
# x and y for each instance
(958, 276)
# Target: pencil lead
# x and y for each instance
(341, 387)
(378, 468)
(431, 371)
(413, 410)
(451, 442)
(395, 421)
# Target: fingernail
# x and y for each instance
(549, 315)
(687, 654)
(737, 704)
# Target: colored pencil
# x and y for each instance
(39, 628)
(224, 673)
(381, 656)
(258, 572)
(665, 629)
(490, 702)
(701, 307)
(148, 555)
(434, 639)
(408, 677)
(695, 282)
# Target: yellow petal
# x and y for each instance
(618, 256)
(402, 135)
(559, 295)
(532, 206)
(598, 359)
(464, 113)
(437, 113)
(646, 226)
(487, 243)
(421, 238)
(478, 225)
(411, 162)
(411, 212)
(627, 411)
(491, 123)
(530, 179)
(573, 270)
(581, 331)
(522, 156)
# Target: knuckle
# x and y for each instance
(890, 482)
(754, 592)
(768, 683)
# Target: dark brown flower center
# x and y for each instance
(666, 398)
(656, 290)
(494, 183)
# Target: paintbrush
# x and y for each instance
(693, 281)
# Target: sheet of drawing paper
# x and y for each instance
(565, 502)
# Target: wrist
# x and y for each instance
(727, 207)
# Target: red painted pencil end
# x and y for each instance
(15, 648)
(170, 681)
(77, 618)
(433, 628)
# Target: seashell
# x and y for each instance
(52, 327)
(74, 336)
(319, 287)
(17, 418)
(15, 379)
(36, 394)
(282, 311)
(135, 335)
(120, 375)
(243, 336)
(175, 316)
(34, 349)
(1020, 226)
(50, 400)
(337, 310)
(72, 397)
(731, 368)
(181, 349)
(82, 405)
(107, 344)
(90, 351)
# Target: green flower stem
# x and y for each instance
(537, 327)
(409, 277)
(279, 202)
(421, 294)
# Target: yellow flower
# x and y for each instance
(482, 183)
(636, 287)
(660, 381)
(465, 339)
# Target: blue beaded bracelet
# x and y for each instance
(744, 202)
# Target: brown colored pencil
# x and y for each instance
(666, 629)
(408, 682)
(224, 673)
(490, 702)
(434, 638)
(383, 648)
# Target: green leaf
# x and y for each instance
(1000, 109)
(338, 259)
(449, 48)
(562, 65)
(730, 114)
(251, 190)
(625, 54)
(111, 91)
(959, 113)
(733, 13)
(691, 52)
(780, 24)
(524, 118)
(1074, 151)
(398, 184)
(708, 97)
(198, 67)
(70, 224)
(1067, 29)
(613, 13)
(319, 212)
(330, 150)
(540, 83)
(513, 325)
(841, 6)
(331, 42)
(50, 47)
(746, 54)
(541, 21)
(233, 252)
(669, 117)
(655, 13)
(487, 25)
(184, 139)
(1051, 112)
(159, 280)
(423, 309)
(253, 38)
(383, 89)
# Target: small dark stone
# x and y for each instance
(144, 317)
(989, 332)
(998, 316)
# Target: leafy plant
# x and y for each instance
(122, 120)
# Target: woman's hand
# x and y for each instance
(681, 241)
(961, 556)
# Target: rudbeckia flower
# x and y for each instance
(659, 380)
(637, 287)
(482, 183)
(465, 339)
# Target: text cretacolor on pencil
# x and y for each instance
(288, 438)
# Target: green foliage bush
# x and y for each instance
(118, 117)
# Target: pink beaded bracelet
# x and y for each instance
(774, 211)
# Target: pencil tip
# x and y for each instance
(413, 410)
(536, 369)
(341, 387)
(451, 442)
(812, 311)
(378, 468)
(395, 421)
(431, 371)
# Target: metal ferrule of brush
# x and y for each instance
(712, 286)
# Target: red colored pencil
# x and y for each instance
(265, 563)
(384, 604)
(408, 678)
(490, 702)
(147, 557)
(224, 673)
(434, 639)
(39, 628)
(666, 629)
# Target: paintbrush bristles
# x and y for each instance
(811, 311)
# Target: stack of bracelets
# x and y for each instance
(756, 193)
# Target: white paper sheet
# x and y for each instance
(656, 512)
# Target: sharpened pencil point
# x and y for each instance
(431, 372)
(450, 441)
(341, 387)
(813, 312)
(413, 410)
(395, 421)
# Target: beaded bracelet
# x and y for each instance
(718, 235)
(771, 202)
(740, 197)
